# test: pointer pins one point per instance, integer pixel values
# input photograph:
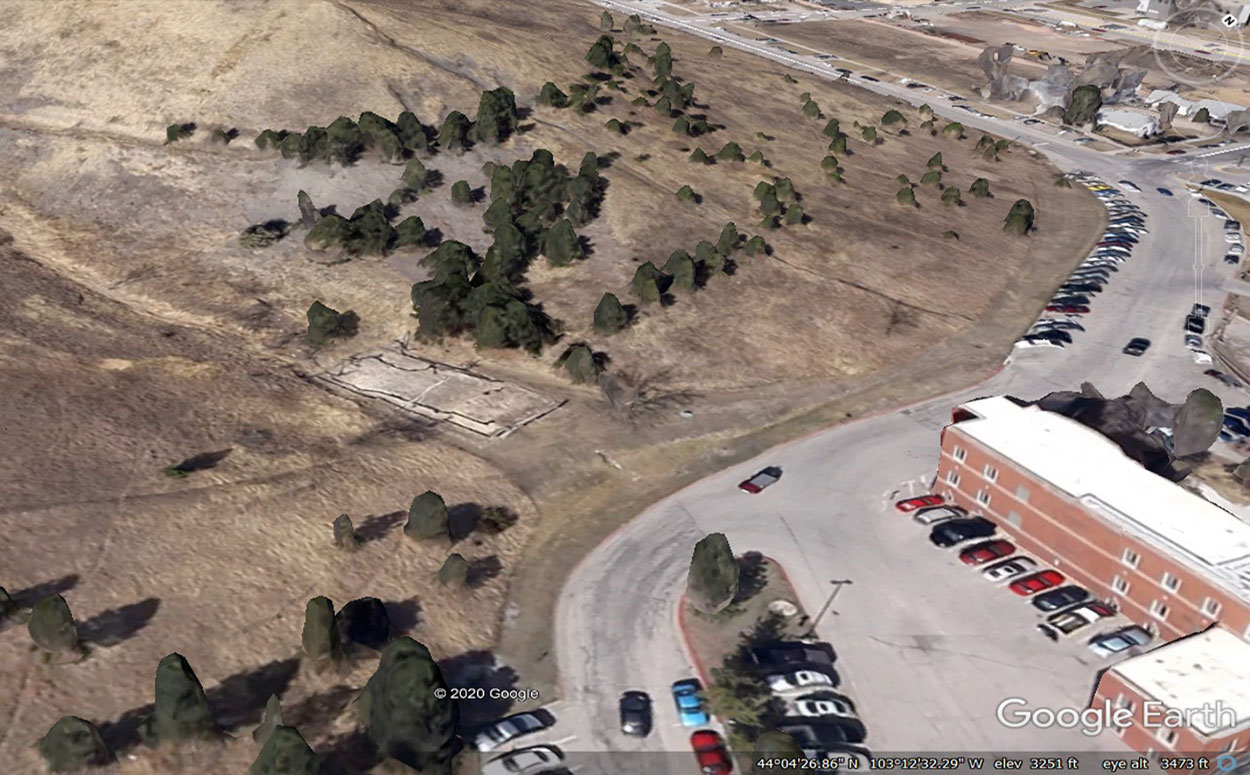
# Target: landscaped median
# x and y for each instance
(764, 611)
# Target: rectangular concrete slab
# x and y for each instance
(439, 391)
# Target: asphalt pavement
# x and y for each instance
(926, 648)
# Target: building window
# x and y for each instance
(1171, 582)
(1158, 610)
(991, 473)
(983, 497)
(1119, 585)
(960, 454)
(1022, 493)
(1211, 607)
(1124, 702)
(1013, 519)
(952, 478)
(1167, 736)
(1129, 557)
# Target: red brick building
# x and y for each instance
(1206, 673)
(1062, 492)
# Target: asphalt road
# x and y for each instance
(926, 648)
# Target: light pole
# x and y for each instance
(837, 587)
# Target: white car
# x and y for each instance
(507, 729)
(1237, 249)
(1202, 357)
(1009, 569)
(823, 706)
(936, 514)
(1241, 189)
(800, 679)
(1111, 643)
(1232, 237)
(1028, 342)
(523, 760)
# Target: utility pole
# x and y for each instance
(837, 587)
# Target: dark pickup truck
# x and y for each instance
(786, 654)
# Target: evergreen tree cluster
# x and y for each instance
(779, 203)
(368, 232)
(535, 208)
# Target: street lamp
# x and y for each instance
(837, 587)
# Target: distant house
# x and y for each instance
(1131, 121)
(1156, 9)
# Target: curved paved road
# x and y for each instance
(925, 648)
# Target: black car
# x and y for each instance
(953, 531)
(1195, 324)
(636, 713)
(1081, 287)
(1232, 258)
(1070, 300)
(1136, 346)
(1060, 598)
(791, 653)
(1053, 334)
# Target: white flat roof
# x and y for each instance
(1092, 469)
(1206, 670)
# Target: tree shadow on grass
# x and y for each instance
(376, 527)
(404, 615)
(483, 569)
(479, 669)
(26, 598)
(462, 520)
(752, 576)
(237, 701)
(119, 624)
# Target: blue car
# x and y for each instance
(1239, 413)
(688, 695)
(1235, 426)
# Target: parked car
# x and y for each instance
(1227, 379)
(1232, 258)
(1037, 582)
(1236, 426)
(769, 476)
(636, 713)
(1009, 569)
(1164, 191)
(936, 514)
(1068, 622)
(1136, 346)
(1068, 309)
(1232, 237)
(691, 707)
(710, 752)
(1237, 249)
(1239, 413)
(1195, 324)
(986, 551)
(786, 654)
(1193, 342)
(1060, 598)
(1062, 325)
(799, 679)
(1175, 152)
(1201, 310)
(507, 729)
(1031, 342)
(1081, 287)
(1054, 335)
(1130, 185)
(919, 502)
(1201, 357)
(1111, 643)
(954, 531)
(868, 78)
(538, 758)
(815, 706)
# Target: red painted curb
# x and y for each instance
(685, 642)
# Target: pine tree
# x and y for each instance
(181, 710)
(427, 517)
(980, 188)
(320, 639)
(454, 572)
(52, 627)
(73, 744)
(561, 245)
(285, 752)
(406, 709)
(610, 315)
(712, 583)
(680, 266)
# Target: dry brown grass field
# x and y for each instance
(137, 332)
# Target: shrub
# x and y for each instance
(412, 133)
(455, 571)
(757, 158)
(931, 178)
(561, 245)
(795, 215)
(830, 162)
(579, 362)
(892, 117)
(181, 710)
(52, 627)
(715, 51)
(1019, 219)
(870, 135)
(552, 95)
(461, 194)
(410, 232)
(345, 533)
(175, 132)
(320, 639)
(980, 188)
(906, 196)
(713, 260)
(954, 129)
(951, 196)
(698, 156)
(687, 194)
(785, 190)
(755, 246)
(285, 752)
(615, 126)
(496, 116)
(712, 582)
(427, 517)
(729, 238)
(832, 129)
(453, 135)
(73, 744)
(935, 161)
(811, 109)
(1203, 116)
(903, 180)
(730, 152)
(610, 315)
(406, 711)
(647, 282)
(838, 146)
(680, 266)
(325, 324)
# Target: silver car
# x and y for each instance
(936, 514)
(507, 729)
(538, 758)
(1112, 643)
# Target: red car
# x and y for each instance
(983, 553)
(710, 751)
(919, 502)
(1032, 584)
(755, 484)
(1070, 309)
(1176, 152)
